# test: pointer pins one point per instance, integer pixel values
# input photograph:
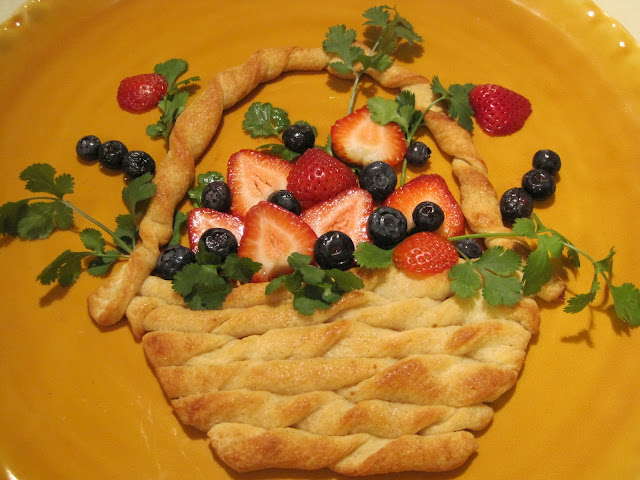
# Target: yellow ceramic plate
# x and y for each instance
(81, 402)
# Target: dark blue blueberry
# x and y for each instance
(111, 154)
(334, 250)
(379, 179)
(547, 160)
(217, 196)
(136, 163)
(219, 241)
(515, 203)
(470, 247)
(298, 137)
(387, 227)
(286, 200)
(172, 260)
(88, 147)
(417, 154)
(428, 216)
(539, 183)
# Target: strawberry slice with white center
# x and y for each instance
(253, 176)
(271, 234)
(358, 140)
(347, 212)
(202, 219)
(432, 188)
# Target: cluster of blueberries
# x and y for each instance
(114, 155)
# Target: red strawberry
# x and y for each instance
(253, 176)
(434, 189)
(357, 139)
(141, 92)
(347, 212)
(498, 110)
(425, 253)
(202, 219)
(271, 234)
(317, 176)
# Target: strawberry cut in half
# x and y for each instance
(141, 92)
(271, 234)
(498, 110)
(202, 219)
(358, 140)
(425, 253)
(347, 212)
(433, 188)
(318, 176)
(252, 176)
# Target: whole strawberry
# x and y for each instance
(425, 253)
(498, 110)
(317, 176)
(141, 92)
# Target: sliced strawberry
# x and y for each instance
(498, 110)
(347, 212)
(141, 92)
(318, 176)
(271, 234)
(425, 253)
(202, 219)
(434, 189)
(253, 176)
(358, 140)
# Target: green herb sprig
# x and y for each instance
(175, 100)
(39, 216)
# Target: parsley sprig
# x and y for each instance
(339, 41)
(205, 284)
(39, 216)
(263, 120)
(175, 100)
(313, 288)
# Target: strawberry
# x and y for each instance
(347, 212)
(425, 253)
(202, 219)
(317, 176)
(358, 140)
(433, 188)
(498, 110)
(271, 234)
(141, 92)
(253, 176)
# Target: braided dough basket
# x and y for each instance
(389, 379)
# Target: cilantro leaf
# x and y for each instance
(240, 268)
(92, 240)
(101, 265)
(500, 290)
(626, 301)
(40, 177)
(368, 255)
(139, 190)
(465, 280)
(179, 220)
(10, 215)
(264, 120)
(171, 70)
(500, 261)
(65, 268)
(457, 97)
(202, 180)
(201, 286)
(38, 221)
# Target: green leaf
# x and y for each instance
(126, 229)
(263, 120)
(500, 261)
(307, 305)
(40, 177)
(10, 215)
(65, 268)
(312, 275)
(501, 290)
(465, 280)
(626, 301)
(92, 240)
(368, 255)
(298, 260)
(178, 221)
(377, 16)
(172, 69)
(201, 286)
(101, 265)
(579, 302)
(203, 179)
(238, 268)
(138, 190)
(525, 227)
(345, 281)
(279, 150)
(37, 222)
(274, 285)
(339, 40)
(537, 270)
(457, 97)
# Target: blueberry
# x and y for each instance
(428, 216)
(539, 183)
(87, 148)
(417, 154)
(515, 203)
(136, 163)
(286, 200)
(172, 260)
(334, 250)
(219, 241)
(298, 137)
(111, 154)
(379, 179)
(470, 247)
(387, 227)
(217, 196)
(547, 160)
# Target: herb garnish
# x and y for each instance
(37, 217)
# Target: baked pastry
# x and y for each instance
(390, 378)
